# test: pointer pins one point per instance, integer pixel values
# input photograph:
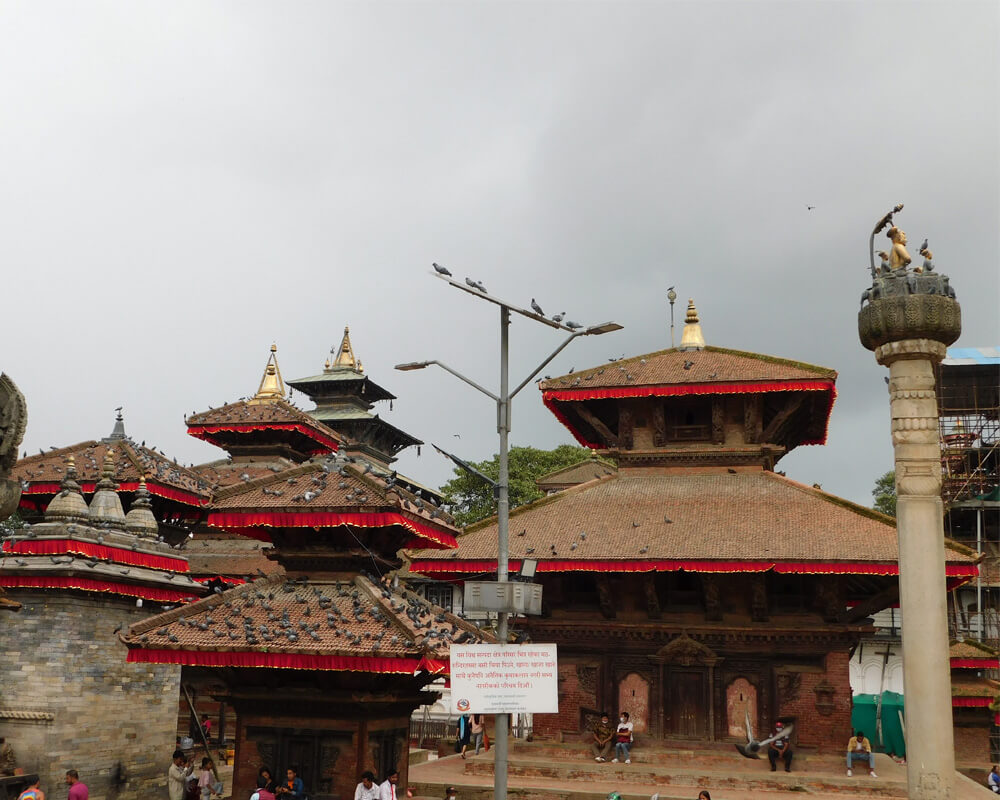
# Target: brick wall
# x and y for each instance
(60, 656)
(572, 697)
(827, 727)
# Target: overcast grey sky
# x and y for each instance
(183, 183)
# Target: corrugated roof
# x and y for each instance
(984, 356)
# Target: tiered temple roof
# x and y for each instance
(354, 623)
(97, 548)
(344, 398)
(696, 431)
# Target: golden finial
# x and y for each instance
(692, 337)
(345, 354)
(272, 387)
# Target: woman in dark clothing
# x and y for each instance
(265, 773)
(464, 733)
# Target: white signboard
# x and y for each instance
(504, 679)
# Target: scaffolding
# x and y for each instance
(968, 383)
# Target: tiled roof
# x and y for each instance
(971, 649)
(228, 564)
(974, 687)
(132, 461)
(708, 366)
(225, 473)
(574, 474)
(319, 485)
(277, 413)
(707, 516)
(352, 618)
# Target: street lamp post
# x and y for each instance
(503, 484)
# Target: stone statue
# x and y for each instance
(884, 266)
(899, 258)
(928, 265)
(13, 420)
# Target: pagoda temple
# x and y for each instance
(344, 398)
(323, 658)
(696, 587)
(80, 574)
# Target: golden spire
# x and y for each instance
(345, 355)
(692, 337)
(272, 387)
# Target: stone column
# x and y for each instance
(930, 749)
(908, 322)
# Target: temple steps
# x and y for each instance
(567, 771)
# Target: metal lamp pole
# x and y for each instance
(503, 483)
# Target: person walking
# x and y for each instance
(77, 789)
(464, 733)
(860, 749)
(478, 728)
(177, 775)
(623, 739)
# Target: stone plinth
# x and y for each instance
(73, 703)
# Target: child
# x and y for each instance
(206, 778)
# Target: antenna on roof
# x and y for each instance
(671, 296)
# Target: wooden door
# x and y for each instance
(686, 713)
(300, 755)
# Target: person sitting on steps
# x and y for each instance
(780, 748)
(860, 749)
(623, 739)
(603, 734)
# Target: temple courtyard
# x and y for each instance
(567, 771)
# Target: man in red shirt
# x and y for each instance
(77, 789)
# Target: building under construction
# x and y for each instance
(969, 411)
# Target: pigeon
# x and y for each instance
(688, 364)
(644, 549)
(667, 520)
(441, 270)
(923, 247)
(538, 309)
(558, 317)
(477, 285)
(573, 325)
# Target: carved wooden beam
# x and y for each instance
(713, 604)
(603, 430)
(781, 418)
(872, 605)
(718, 420)
(659, 422)
(758, 598)
(652, 599)
(626, 425)
(752, 418)
(605, 597)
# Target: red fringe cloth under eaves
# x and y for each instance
(257, 659)
(239, 522)
(551, 398)
(52, 547)
(975, 663)
(167, 492)
(445, 567)
(93, 585)
(971, 702)
(204, 431)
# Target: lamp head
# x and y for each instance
(412, 365)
